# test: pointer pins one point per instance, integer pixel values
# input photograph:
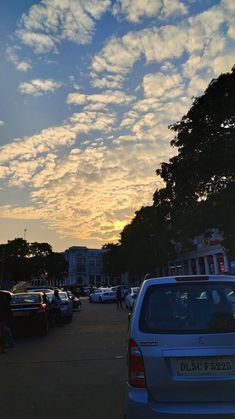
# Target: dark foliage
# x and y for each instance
(21, 260)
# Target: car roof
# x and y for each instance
(187, 278)
(6, 292)
(27, 293)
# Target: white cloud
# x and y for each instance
(162, 85)
(48, 23)
(109, 97)
(202, 34)
(53, 138)
(173, 8)
(39, 87)
(111, 81)
(12, 56)
(39, 42)
(2, 123)
(198, 85)
(157, 44)
(80, 185)
(71, 170)
(135, 10)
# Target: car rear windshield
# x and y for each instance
(189, 308)
(63, 296)
(26, 299)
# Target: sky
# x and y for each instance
(88, 90)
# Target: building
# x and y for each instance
(85, 266)
(208, 257)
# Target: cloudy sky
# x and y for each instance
(88, 89)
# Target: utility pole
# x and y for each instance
(25, 233)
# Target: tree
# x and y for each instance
(145, 241)
(200, 179)
(21, 260)
(40, 249)
(113, 262)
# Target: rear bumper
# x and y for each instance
(140, 406)
(28, 321)
(67, 312)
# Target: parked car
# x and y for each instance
(77, 304)
(181, 351)
(40, 289)
(102, 295)
(31, 310)
(65, 305)
(89, 290)
(124, 289)
(131, 297)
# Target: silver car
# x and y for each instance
(181, 351)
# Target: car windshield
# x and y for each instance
(189, 308)
(25, 298)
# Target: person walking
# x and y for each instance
(119, 297)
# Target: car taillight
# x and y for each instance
(42, 308)
(135, 365)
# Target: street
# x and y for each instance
(77, 371)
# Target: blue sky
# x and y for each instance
(88, 89)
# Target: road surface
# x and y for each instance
(77, 371)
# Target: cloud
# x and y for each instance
(71, 194)
(2, 123)
(88, 176)
(39, 87)
(20, 152)
(117, 97)
(49, 23)
(156, 44)
(193, 36)
(135, 10)
(163, 85)
(12, 56)
(40, 43)
(111, 81)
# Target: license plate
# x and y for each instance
(206, 366)
(21, 313)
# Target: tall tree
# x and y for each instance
(113, 261)
(145, 241)
(200, 179)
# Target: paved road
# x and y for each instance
(77, 371)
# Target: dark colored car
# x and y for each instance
(31, 310)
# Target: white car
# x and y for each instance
(181, 352)
(102, 295)
(131, 297)
(124, 289)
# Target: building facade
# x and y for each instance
(208, 257)
(85, 266)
